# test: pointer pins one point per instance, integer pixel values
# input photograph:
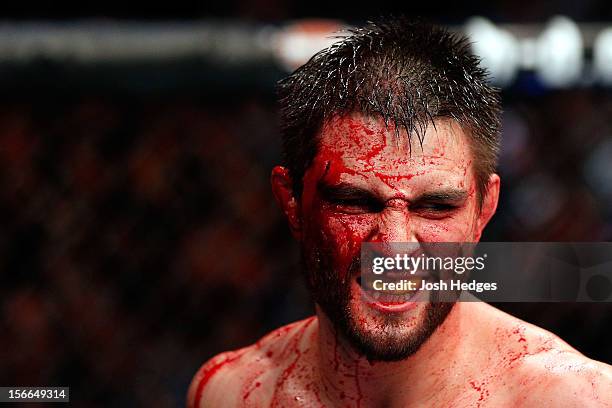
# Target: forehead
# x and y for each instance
(359, 148)
(363, 137)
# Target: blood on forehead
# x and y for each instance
(363, 151)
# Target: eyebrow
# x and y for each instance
(447, 195)
(344, 191)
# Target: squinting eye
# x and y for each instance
(434, 210)
(439, 207)
(356, 206)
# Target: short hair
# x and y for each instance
(407, 72)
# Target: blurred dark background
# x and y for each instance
(139, 235)
(275, 10)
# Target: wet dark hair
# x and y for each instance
(409, 73)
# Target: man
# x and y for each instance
(391, 135)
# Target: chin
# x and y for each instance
(388, 331)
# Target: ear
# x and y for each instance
(282, 188)
(489, 204)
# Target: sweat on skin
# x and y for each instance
(361, 179)
(478, 356)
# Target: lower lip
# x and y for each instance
(392, 307)
(388, 307)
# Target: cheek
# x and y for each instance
(440, 231)
(342, 235)
(457, 228)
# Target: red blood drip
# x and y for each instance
(294, 348)
(387, 179)
(357, 127)
(484, 393)
(251, 389)
(209, 373)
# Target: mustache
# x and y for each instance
(420, 271)
(318, 265)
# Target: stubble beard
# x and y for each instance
(391, 337)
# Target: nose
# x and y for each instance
(394, 233)
(394, 223)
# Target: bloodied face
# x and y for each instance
(366, 184)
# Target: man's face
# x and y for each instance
(367, 185)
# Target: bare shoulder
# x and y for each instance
(235, 377)
(538, 368)
(567, 379)
(216, 374)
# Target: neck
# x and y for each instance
(348, 377)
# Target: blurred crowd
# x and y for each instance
(139, 235)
